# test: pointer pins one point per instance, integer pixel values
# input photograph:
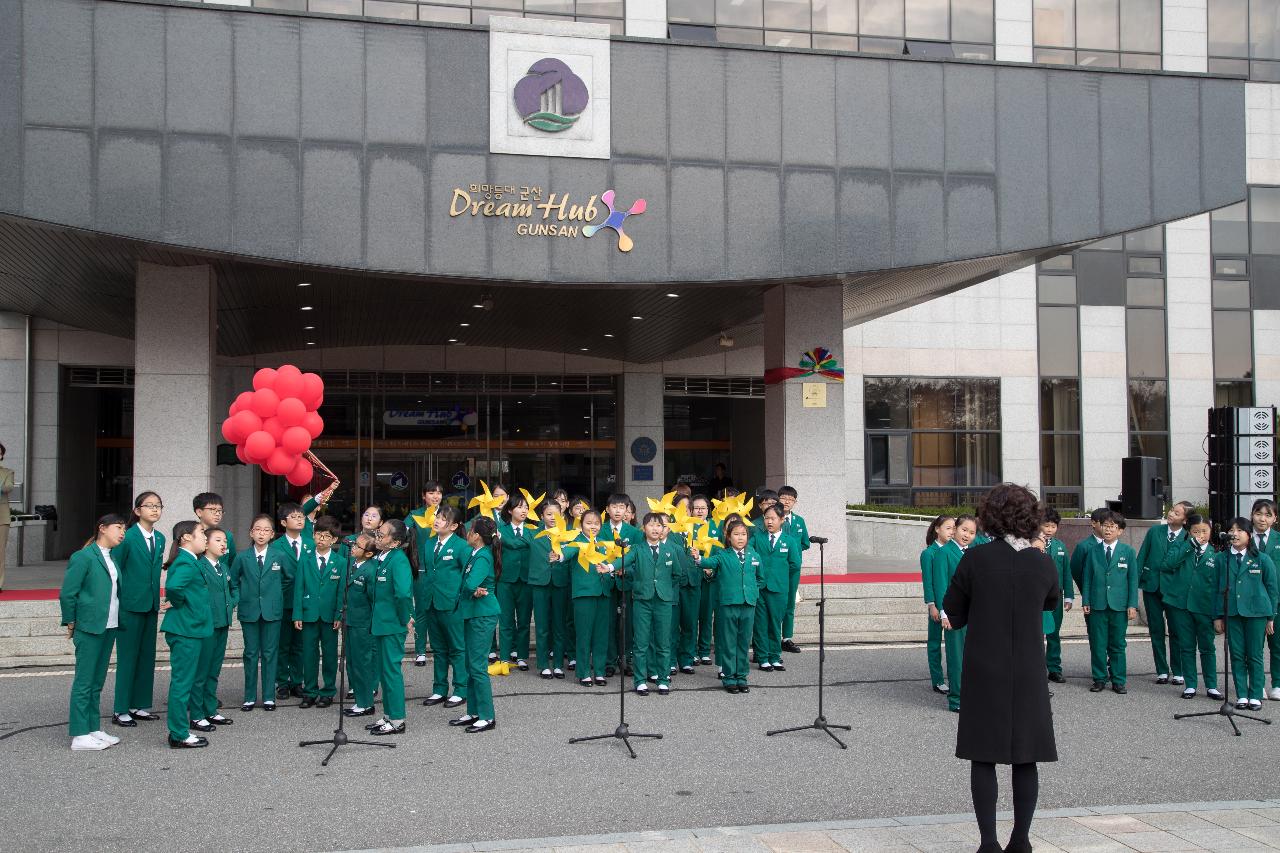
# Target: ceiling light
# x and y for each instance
(583, 349)
(608, 334)
(306, 307)
(636, 317)
(453, 340)
(304, 284)
(464, 325)
(674, 295)
(311, 343)
(307, 328)
(478, 305)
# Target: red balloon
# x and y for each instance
(288, 381)
(244, 400)
(291, 411)
(313, 424)
(247, 424)
(296, 440)
(312, 391)
(240, 454)
(301, 474)
(259, 446)
(273, 426)
(280, 462)
(265, 402)
(230, 431)
(264, 378)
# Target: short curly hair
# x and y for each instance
(1010, 510)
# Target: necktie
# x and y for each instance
(654, 549)
(295, 549)
(1239, 561)
(436, 552)
(1172, 536)
(742, 557)
(773, 540)
(322, 562)
(1108, 553)
(259, 562)
(518, 531)
(151, 545)
(1262, 542)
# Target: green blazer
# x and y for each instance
(1057, 552)
(420, 538)
(222, 594)
(629, 532)
(1272, 550)
(85, 597)
(690, 572)
(943, 568)
(261, 591)
(443, 572)
(926, 574)
(390, 595)
(588, 583)
(515, 552)
(1250, 585)
(477, 572)
(1188, 581)
(542, 572)
(316, 593)
(1114, 585)
(779, 561)
(229, 557)
(794, 525)
(186, 589)
(736, 580)
(289, 563)
(1151, 556)
(308, 526)
(1078, 556)
(359, 607)
(139, 570)
(648, 578)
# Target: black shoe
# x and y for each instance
(282, 692)
(219, 720)
(144, 716)
(433, 700)
(1164, 679)
(523, 666)
(687, 670)
(296, 691)
(308, 702)
(352, 712)
(386, 728)
(1097, 687)
(731, 688)
(742, 688)
(182, 744)
(790, 646)
(455, 702)
(778, 667)
(940, 689)
(324, 701)
(493, 656)
(202, 727)
(663, 690)
(610, 671)
(464, 720)
(601, 682)
(558, 673)
(124, 724)
(248, 706)
(586, 682)
(1119, 688)
(476, 728)
(371, 726)
(1057, 678)
(1023, 846)
(422, 662)
(268, 706)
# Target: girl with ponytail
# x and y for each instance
(478, 607)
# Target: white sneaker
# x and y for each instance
(88, 742)
(1274, 694)
(420, 659)
(1178, 679)
(1188, 693)
(1214, 693)
(1255, 705)
(109, 740)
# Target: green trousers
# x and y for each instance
(135, 661)
(93, 653)
(1273, 642)
(651, 633)
(184, 671)
(448, 650)
(1194, 631)
(1160, 626)
(516, 602)
(1053, 643)
(478, 632)
(389, 653)
(421, 606)
(261, 649)
(684, 626)
(734, 626)
(360, 665)
(953, 642)
(789, 618)
(770, 610)
(1245, 637)
(706, 618)
(1107, 645)
(563, 598)
(933, 649)
(289, 656)
(593, 617)
(319, 659)
(204, 695)
(549, 620)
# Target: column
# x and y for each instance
(641, 416)
(647, 18)
(1185, 35)
(174, 342)
(236, 483)
(1104, 416)
(1190, 311)
(1266, 357)
(1262, 133)
(1013, 30)
(855, 419)
(805, 446)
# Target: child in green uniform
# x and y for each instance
(943, 567)
(187, 624)
(794, 525)
(738, 574)
(1189, 586)
(649, 577)
(1267, 541)
(780, 553)
(592, 612)
(1248, 579)
(940, 532)
(138, 559)
(1151, 556)
(1109, 591)
(1053, 619)
(390, 596)
(317, 588)
(700, 507)
(90, 605)
(421, 541)
(290, 550)
(684, 614)
(209, 512)
(548, 587)
(222, 602)
(478, 609)
(620, 528)
(442, 569)
(515, 600)
(258, 575)
(358, 616)
(1081, 551)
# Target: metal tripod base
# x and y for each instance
(622, 732)
(1227, 710)
(821, 725)
(340, 739)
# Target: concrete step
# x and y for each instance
(811, 591)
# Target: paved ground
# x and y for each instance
(254, 789)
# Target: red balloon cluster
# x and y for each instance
(274, 424)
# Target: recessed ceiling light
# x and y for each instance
(636, 317)
(307, 328)
(453, 340)
(304, 284)
(479, 305)
(608, 334)
(674, 295)
(583, 349)
(311, 343)
(306, 307)
(464, 325)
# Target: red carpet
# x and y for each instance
(29, 595)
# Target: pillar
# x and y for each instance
(1185, 35)
(174, 343)
(1190, 311)
(805, 446)
(1014, 30)
(1104, 397)
(641, 415)
(647, 18)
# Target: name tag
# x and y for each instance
(1122, 565)
(668, 562)
(275, 567)
(333, 577)
(783, 549)
(446, 557)
(382, 579)
(1255, 571)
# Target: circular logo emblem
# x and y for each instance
(644, 449)
(399, 481)
(460, 480)
(550, 97)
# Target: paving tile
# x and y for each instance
(869, 840)
(1266, 834)
(1051, 828)
(1155, 841)
(799, 842)
(1272, 813)
(1091, 844)
(730, 844)
(1235, 818)
(1113, 824)
(1176, 821)
(674, 845)
(592, 848)
(1220, 838)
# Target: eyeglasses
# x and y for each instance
(215, 510)
(150, 506)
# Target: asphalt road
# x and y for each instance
(255, 789)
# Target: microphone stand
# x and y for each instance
(623, 731)
(339, 735)
(1227, 710)
(820, 724)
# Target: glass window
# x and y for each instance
(600, 8)
(1060, 460)
(836, 16)
(337, 7)
(1057, 289)
(1152, 444)
(547, 7)
(739, 13)
(1264, 29)
(885, 403)
(1148, 406)
(1232, 344)
(1268, 71)
(1146, 240)
(1142, 61)
(882, 17)
(1146, 265)
(1228, 28)
(402, 11)
(786, 15)
(1053, 56)
(973, 51)
(1264, 213)
(821, 42)
(1229, 230)
(874, 45)
(1098, 24)
(1230, 266)
(1144, 334)
(1059, 405)
(1140, 25)
(444, 14)
(1096, 59)
(1059, 262)
(1059, 342)
(966, 460)
(691, 11)
(1239, 67)
(1233, 393)
(1055, 23)
(775, 38)
(733, 35)
(928, 19)
(956, 404)
(972, 20)
(1230, 294)
(1108, 244)
(1144, 292)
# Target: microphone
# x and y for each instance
(821, 540)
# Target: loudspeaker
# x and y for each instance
(1141, 489)
(1242, 460)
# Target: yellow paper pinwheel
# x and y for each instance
(487, 502)
(612, 552)
(532, 501)
(666, 506)
(702, 540)
(558, 534)
(425, 519)
(588, 555)
(737, 505)
(682, 522)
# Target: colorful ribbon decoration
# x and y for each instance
(816, 362)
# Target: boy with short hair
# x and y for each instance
(209, 512)
(1110, 595)
(1058, 553)
(780, 554)
(1151, 559)
(1081, 550)
(317, 589)
(793, 524)
(421, 542)
(290, 549)
(651, 575)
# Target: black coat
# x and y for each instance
(999, 594)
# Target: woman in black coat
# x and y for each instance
(999, 592)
